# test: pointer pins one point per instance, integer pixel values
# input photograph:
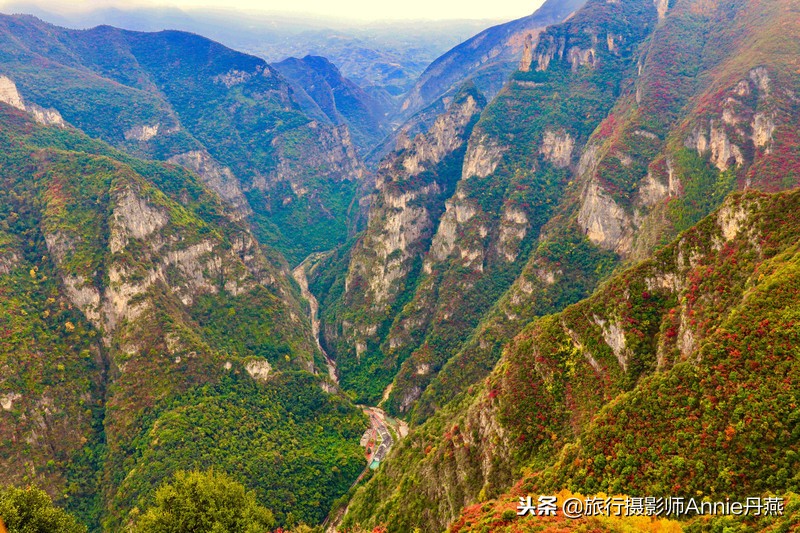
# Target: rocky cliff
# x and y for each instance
(172, 95)
(151, 303)
(663, 152)
(411, 186)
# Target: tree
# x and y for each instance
(204, 502)
(31, 510)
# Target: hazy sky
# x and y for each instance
(347, 9)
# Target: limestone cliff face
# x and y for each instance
(142, 132)
(557, 148)
(188, 269)
(746, 116)
(411, 186)
(604, 221)
(483, 156)
(734, 131)
(10, 95)
(218, 178)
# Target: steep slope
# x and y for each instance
(677, 377)
(364, 294)
(648, 171)
(146, 331)
(643, 177)
(180, 97)
(516, 171)
(338, 99)
(486, 59)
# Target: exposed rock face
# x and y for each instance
(606, 223)
(411, 187)
(188, 270)
(513, 227)
(629, 184)
(652, 191)
(760, 77)
(458, 210)
(730, 219)
(237, 77)
(47, 117)
(142, 132)
(557, 148)
(259, 370)
(723, 152)
(9, 93)
(7, 400)
(218, 178)
(10, 96)
(614, 335)
(8, 260)
(740, 121)
(763, 129)
(579, 57)
(442, 138)
(134, 217)
(661, 6)
(527, 54)
(483, 155)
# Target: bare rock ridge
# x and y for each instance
(218, 178)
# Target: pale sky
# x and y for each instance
(345, 9)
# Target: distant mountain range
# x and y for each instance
(389, 56)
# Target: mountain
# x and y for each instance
(338, 99)
(179, 97)
(602, 150)
(374, 279)
(145, 330)
(487, 59)
(664, 382)
(513, 176)
(385, 57)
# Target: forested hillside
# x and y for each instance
(179, 97)
(146, 331)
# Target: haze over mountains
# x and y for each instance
(563, 250)
(388, 55)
